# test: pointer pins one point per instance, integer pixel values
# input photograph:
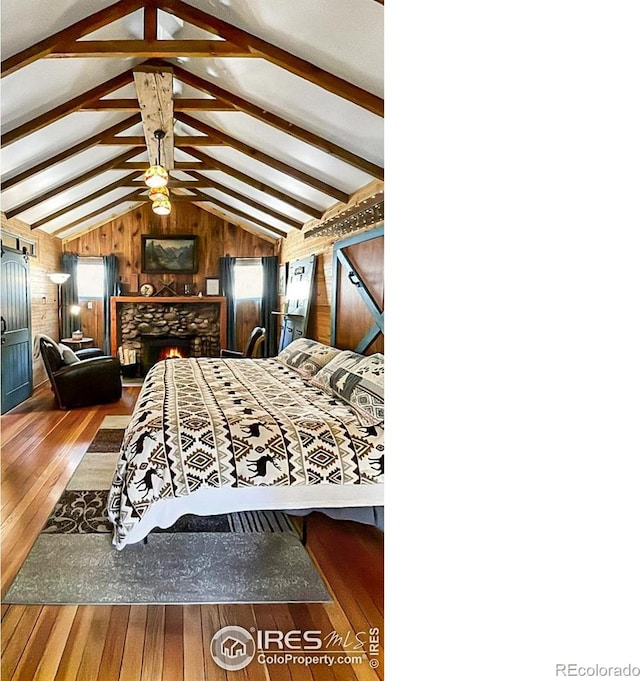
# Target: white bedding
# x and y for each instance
(213, 436)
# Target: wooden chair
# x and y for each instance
(256, 339)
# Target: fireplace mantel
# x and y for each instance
(221, 301)
(149, 300)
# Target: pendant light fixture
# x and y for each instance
(156, 178)
(156, 175)
(159, 193)
(161, 207)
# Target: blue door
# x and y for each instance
(15, 309)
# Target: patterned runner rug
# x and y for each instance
(251, 557)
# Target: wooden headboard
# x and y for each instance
(357, 307)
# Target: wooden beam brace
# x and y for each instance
(214, 164)
(109, 165)
(173, 184)
(178, 165)
(180, 141)
(72, 151)
(73, 32)
(149, 49)
(275, 55)
(277, 122)
(80, 202)
(260, 156)
(65, 109)
(150, 28)
(180, 104)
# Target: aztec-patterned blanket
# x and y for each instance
(216, 423)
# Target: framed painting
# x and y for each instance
(170, 254)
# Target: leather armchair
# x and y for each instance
(94, 379)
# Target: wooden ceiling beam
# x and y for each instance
(97, 170)
(200, 196)
(143, 49)
(66, 108)
(275, 55)
(72, 151)
(178, 165)
(214, 164)
(180, 104)
(260, 156)
(180, 140)
(154, 87)
(277, 122)
(81, 28)
(205, 183)
(122, 182)
(150, 23)
(102, 209)
(173, 184)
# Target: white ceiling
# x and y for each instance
(343, 38)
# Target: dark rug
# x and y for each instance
(250, 557)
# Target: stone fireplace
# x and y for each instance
(146, 329)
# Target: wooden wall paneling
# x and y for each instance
(216, 238)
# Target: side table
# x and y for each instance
(79, 343)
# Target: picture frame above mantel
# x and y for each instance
(169, 254)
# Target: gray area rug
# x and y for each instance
(252, 557)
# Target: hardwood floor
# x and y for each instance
(41, 447)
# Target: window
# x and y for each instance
(90, 278)
(248, 275)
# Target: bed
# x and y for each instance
(298, 432)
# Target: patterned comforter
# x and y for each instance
(217, 423)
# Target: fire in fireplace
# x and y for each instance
(156, 348)
(170, 353)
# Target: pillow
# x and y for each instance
(358, 380)
(307, 356)
(67, 354)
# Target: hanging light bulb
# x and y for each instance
(159, 193)
(161, 207)
(156, 175)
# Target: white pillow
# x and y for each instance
(67, 354)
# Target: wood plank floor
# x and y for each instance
(41, 447)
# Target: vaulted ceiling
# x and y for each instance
(274, 111)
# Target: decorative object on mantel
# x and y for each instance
(364, 214)
(212, 287)
(167, 289)
(147, 289)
